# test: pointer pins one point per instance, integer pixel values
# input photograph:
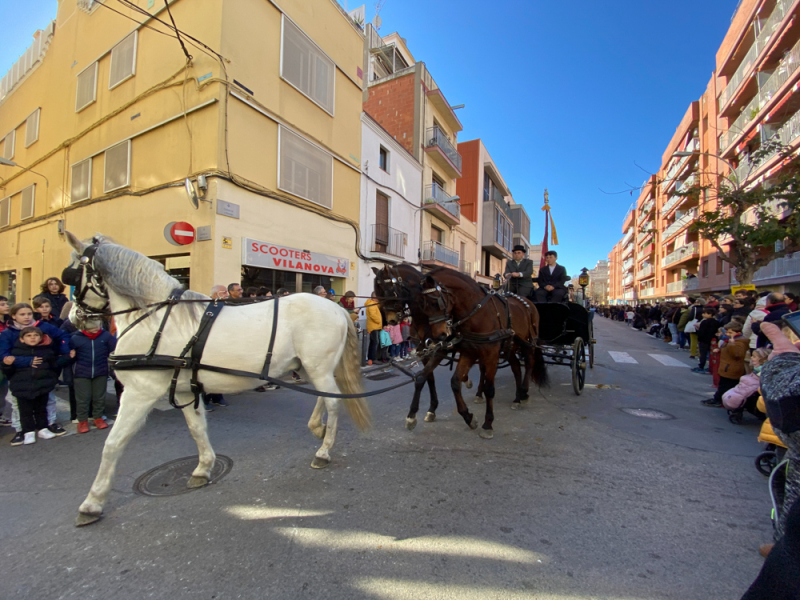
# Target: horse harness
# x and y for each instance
(192, 354)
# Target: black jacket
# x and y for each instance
(558, 278)
(707, 330)
(29, 382)
(775, 314)
(520, 285)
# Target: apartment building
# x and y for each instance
(107, 119)
(401, 95)
(749, 100)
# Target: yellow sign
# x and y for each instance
(736, 288)
(227, 243)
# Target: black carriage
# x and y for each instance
(566, 337)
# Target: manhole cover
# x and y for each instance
(170, 479)
(381, 376)
(647, 413)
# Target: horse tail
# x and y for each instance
(539, 369)
(348, 377)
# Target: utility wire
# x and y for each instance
(171, 18)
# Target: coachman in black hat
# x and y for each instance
(519, 273)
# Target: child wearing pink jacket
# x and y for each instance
(397, 339)
(735, 398)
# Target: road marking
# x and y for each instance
(669, 361)
(623, 357)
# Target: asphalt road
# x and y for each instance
(572, 499)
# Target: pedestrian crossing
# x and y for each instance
(663, 359)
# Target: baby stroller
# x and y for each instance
(775, 450)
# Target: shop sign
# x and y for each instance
(284, 258)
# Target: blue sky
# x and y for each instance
(565, 95)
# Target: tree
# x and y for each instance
(745, 225)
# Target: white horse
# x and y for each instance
(314, 336)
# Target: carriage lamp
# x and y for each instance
(583, 279)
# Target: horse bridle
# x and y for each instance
(398, 289)
(94, 282)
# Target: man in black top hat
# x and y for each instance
(519, 272)
(551, 280)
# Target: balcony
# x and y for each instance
(691, 283)
(498, 230)
(647, 292)
(627, 280)
(671, 203)
(385, 240)
(435, 253)
(628, 237)
(774, 81)
(676, 287)
(683, 186)
(647, 207)
(748, 62)
(444, 207)
(627, 265)
(465, 267)
(788, 266)
(627, 250)
(786, 134)
(680, 254)
(681, 221)
(645, 272)
(627, 295)
(442, 152)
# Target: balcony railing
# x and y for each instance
(675, 286)
(386, 240)
(645, 272)
(498, 199)
(628, 295)
(680, 223)
(736, 79)
(437, 137)
(788, 65)
(627, 250)
(679, 254)
(432, 250)
(786, 134)
(627, 237)
(434, 194)
(647, 207)
(627, 264)
(787, 266)
(684, 185)
(691, 283)
(627, 280)
(647, 292)
(465, 267)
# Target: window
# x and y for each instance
(8, 145)
(5, 212)
(32, 128)
(383, 159)
(28, 196)
(437, 235)
(123, 61)
(705, 268)
(303, 169)
(306, 67)
(720, 266)
(87, 87)
(81, 181)
(117, 167)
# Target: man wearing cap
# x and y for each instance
(551, 280)
(518, 273)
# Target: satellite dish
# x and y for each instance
(192, 193)
(376, 22)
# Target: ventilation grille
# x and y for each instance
(306, 67)
(32, 128)
(87, 87)
(305, 170)
(28, 202)
(123, 61)
(117, 161)
(81, 181)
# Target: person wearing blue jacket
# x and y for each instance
(21, 317)
(93, 346)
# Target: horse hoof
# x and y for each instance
(411, 423)
(514, 405)
(525, 401)
(84, 519)
(468, 384)
(474, 423)
(486, 434)
(196, 481)
(479, 400)
(430, 417)
(320, 463)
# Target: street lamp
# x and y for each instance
(10, 163)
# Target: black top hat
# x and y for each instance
(520, 248)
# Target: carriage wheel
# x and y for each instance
(578, 366)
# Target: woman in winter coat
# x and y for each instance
(756, 316)
(53, 291)
(748, 385)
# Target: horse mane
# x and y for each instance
(466, 279)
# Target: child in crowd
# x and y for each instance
(5, 411)
(32, 384)
(396, 337)
(43, 312)
(21, 317)
(92, 345)
(706, 331)
(731, 362)
(405, 332)
(748, 385)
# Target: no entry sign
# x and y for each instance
(182, 233)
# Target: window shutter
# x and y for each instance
(305, 170)
(123, 61)
(32, 128)
(381, 219)
(117, 165)
(306, 67)
(28, 200)
(5, 212)
(8, 144)
(87, 87)
(81, 181)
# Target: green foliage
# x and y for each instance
(747, 221)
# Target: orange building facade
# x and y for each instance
(751, 98)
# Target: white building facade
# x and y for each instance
(391, 199)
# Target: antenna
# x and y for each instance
(376, 22)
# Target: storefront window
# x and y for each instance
(178, 266)
(8, 286)
(271, 279)
(311, 281)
